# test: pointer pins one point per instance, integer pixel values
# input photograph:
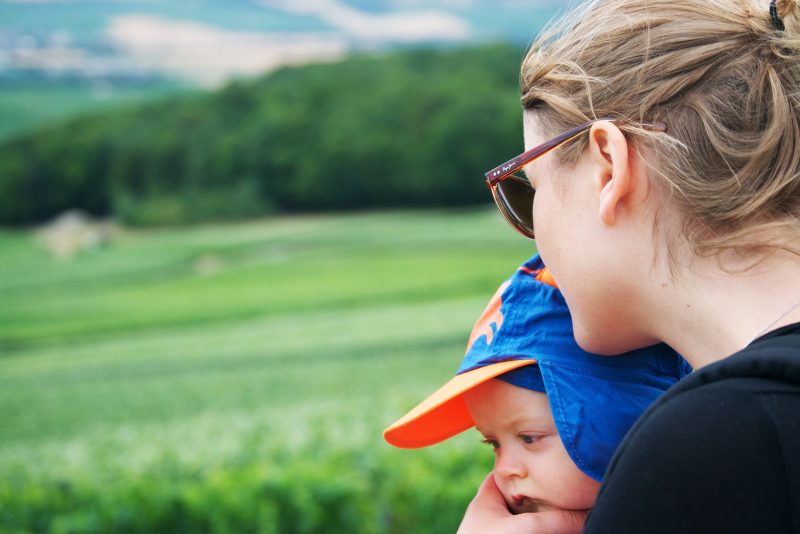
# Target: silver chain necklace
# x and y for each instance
(773, 323)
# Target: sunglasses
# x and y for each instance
(514, 194)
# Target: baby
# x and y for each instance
(553, 413)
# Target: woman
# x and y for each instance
(663, 142)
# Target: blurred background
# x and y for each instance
(237, 240)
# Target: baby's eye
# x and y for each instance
(529, 438)
(491, 442)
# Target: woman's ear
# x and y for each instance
(608, 152)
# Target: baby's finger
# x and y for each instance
(488, 512)
(489, 495)
(557, 521)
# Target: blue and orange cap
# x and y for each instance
(525, 337)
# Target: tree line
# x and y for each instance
(415, 128)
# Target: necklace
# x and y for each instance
(773, 323)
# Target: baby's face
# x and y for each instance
(531, 466)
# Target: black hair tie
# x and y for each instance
(776, 19)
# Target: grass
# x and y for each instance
(173, 363)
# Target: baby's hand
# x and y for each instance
(488, 513)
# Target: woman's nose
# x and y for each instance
(508, 465)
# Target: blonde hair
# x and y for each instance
(724, 79)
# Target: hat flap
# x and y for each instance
(444, 413)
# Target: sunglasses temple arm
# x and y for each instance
(501, 171)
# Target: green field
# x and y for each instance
(236, 378)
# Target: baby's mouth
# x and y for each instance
(520, 504)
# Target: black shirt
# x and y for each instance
(719, 452)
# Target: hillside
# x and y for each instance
(207, 41)
(407, 129)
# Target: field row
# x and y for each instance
(142, 394)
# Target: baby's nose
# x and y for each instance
(508, 465)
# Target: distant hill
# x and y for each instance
(62, 58)
(411, 128)
(28, 104)
(207, 41)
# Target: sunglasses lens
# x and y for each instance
(514, 196)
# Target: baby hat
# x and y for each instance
(525, 334)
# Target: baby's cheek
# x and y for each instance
(580, 493)
(589, 495)
(568, 487)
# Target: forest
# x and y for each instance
(409, 129)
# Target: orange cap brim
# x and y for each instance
(444, 414)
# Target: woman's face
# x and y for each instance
(596, 265)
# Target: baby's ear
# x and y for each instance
(611, 169)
